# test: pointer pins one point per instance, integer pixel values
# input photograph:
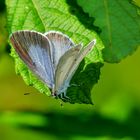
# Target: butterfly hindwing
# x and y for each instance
(64, 66)
(60, 44)
(34, 49)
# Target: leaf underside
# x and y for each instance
(45, 15)
(119, 23)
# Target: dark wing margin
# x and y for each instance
(34, 49)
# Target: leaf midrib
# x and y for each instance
(35, 7)
(108, 23)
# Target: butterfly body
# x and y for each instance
(52, 57)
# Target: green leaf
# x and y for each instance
(119, 23)
(45, 15)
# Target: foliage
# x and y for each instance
(48, 15)
(119, 23)
(120, 35)
(115, 115)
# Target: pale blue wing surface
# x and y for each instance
(60, 44)
(68, 64)
(63, 68)
(34, 49)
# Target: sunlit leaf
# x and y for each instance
(45, 15)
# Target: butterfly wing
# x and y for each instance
(64, 66)
(68, 64)
(60, 43)
(34, 49)
(80, 57)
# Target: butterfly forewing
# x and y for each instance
(60, 44)
(34, 49)
(80, 57)
(68, 64)
(64, 66)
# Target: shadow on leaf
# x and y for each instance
(83, 17)
(82, 83)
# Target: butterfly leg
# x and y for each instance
(74, 85)
(61, 96)
(65, 96)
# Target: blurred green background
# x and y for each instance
(115, 114)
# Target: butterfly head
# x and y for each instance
(54, 93)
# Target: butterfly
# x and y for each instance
(52, 57)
